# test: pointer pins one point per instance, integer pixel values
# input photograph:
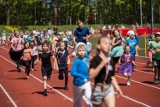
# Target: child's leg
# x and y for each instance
(66, 79)
(128, 81)
(45, 85)
(27, 69)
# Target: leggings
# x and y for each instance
(114, 60)
(27, 65)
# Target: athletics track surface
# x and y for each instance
(16, 91)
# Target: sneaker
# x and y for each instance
(18, 69)
(45, 92)
(66, 88)
(27, 77)
(156, 81)
(128, 83)
(48, 77)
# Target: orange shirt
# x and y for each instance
(27, 54)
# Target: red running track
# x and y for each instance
(15, 90)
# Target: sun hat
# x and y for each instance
(79, 44)
(130, 32)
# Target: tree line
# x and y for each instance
(64, 12)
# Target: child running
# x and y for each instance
(62, 60)
(126, 62)
(46, 67)
(81, 82)
(102, 73)
(155, 49)
(35, 54)
(26, 57)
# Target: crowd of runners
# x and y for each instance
(30, 47)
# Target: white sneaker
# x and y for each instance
(128, 83)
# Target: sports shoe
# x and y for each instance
(45, 92)
(156, 81)
(128, 83)
(66, 88)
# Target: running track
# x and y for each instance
(16, 91)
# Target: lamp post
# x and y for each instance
(151, 4)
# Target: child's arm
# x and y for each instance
(133, 62)
(55, 62)
(68, 60)
(116, 86)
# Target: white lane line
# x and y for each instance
(14, 104)
(70, 99)
(131, 99)
(122, 96)
(139, 82)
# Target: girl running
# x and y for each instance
(35, 54)
(81, 82)
(102, 73)
(126, 62)
(26, 57)
(63, 60)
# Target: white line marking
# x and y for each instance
(131, 99)
(93, 84)
(14, 104)
(41, 81)
(139, 82)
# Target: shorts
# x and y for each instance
(46, 71)
(156, 64)
(98, 94)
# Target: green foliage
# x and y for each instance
(27, 12)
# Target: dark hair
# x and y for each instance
(125, 48)
(99, 41)
(45, 43)
(157, 34)
(79, 22)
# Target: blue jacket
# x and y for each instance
(80, 71)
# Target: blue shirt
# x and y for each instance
(80, 33)
(80, 71)
(132, 44)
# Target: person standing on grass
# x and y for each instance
(126, 62)
(81, 34)
(63, 60)
(81, 81)
(155, 49)
(26, 57)
(102, 73)
(46, 67)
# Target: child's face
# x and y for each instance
(105, 45)
(131, 36)
(158, 38)
(81, 51)
(62, 46)
(45, 47)
(127, 49)
(116, 33)
(27, 45)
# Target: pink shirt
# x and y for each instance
(27, 54)
(17, 43)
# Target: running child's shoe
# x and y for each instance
(156, 81)
(128, 83)
(45, 92)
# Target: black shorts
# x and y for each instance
(34, 58)
(156, 63)
(46, 71)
